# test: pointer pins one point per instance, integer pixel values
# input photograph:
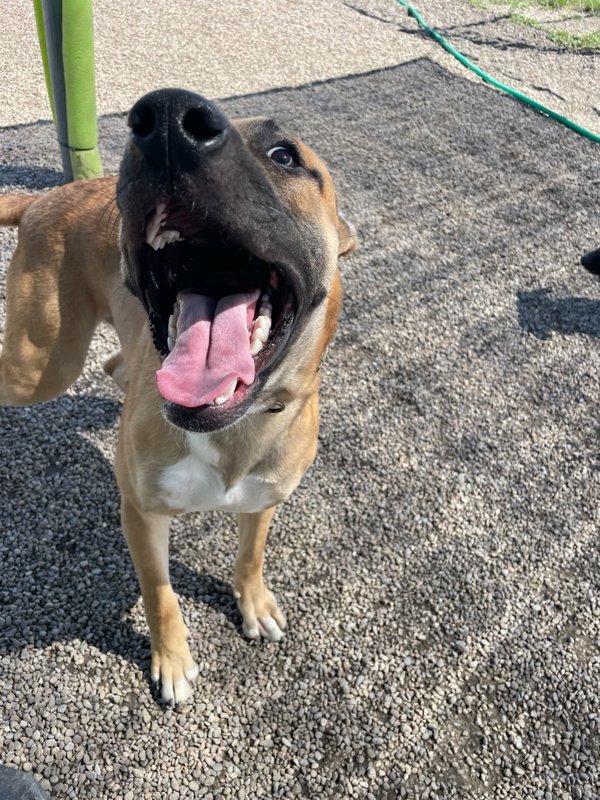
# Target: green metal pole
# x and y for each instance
(52, 26)
(41, 31)
(80, 88)
(66, 34)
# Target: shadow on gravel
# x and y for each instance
(207, 589)
(29, 177)
(541, 314)
(66, 571)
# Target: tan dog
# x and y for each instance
(224, 291)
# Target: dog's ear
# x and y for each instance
(347, 237)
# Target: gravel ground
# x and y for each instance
(439, 564)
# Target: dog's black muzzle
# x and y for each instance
(174, 130)
(188, 167)
(184, 152)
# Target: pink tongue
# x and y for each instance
(212, 348)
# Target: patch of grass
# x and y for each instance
(582, 6)
(528, 22)
(576, 41)
(582, 42)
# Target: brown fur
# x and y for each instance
(63, 280)
(12, 207)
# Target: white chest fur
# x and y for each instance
(194, 483)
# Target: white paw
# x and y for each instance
(266, 628)
(262, 617)
(175, 681)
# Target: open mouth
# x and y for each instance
(219, 315)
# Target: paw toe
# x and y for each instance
(251, 631)
(261, 616)
(270, 629)
(175, 680)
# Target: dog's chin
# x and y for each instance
(210, 418)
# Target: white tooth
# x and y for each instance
(152, 229)
(172, 331)
(154, 223)
(165, 237)
(170, 342)
(255, 346)
(266, 310)
(262, 326)
(157, 238)
(226, 394)
(176, 310)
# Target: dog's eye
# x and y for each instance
(282, 156)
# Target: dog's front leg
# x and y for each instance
(172, 664)
(260, 612)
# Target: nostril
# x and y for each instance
(142, 121)
(202, 124)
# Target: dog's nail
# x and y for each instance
(167, 692)
(182, 691)
(251, 633)
(270, 629)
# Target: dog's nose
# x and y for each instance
(176, 127)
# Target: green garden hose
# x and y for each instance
(488, 78)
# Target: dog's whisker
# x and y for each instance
(333, 300)
(109, 216)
